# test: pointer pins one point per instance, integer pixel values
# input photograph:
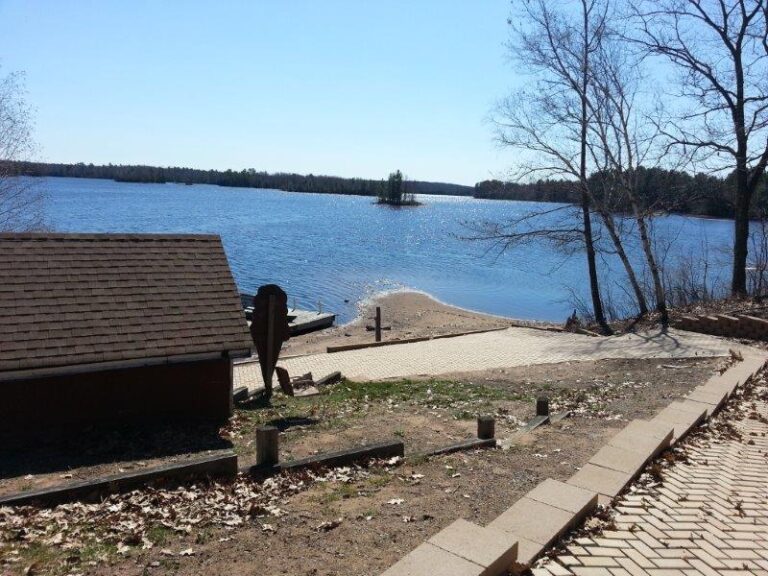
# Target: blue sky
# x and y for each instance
(344, 87)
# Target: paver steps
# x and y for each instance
(708, 517)
(521, 534)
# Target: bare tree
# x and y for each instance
(721, 48)
(21, 200)
(550, 122)
(623, 140)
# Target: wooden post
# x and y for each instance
(267, 446)
(486, 427)
(378, 324)
(542, 406)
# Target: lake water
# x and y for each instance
(341, 249)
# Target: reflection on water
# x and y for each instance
(340, 249)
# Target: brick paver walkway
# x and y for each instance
(499, 349)
(708, 517)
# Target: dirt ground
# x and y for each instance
(354, 521)
(408, 314)
(69, 455)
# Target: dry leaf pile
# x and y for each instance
(122, 522)
(595, 401)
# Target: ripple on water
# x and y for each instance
(333, 248)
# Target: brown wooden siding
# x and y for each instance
(190, 390)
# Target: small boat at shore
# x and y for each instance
(299, 321)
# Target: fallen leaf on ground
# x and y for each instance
(329, 525)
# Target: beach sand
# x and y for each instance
(409, 314)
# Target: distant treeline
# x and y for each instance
(245, 178)
(659, 190)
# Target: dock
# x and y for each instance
(303, 321)
(299, 321)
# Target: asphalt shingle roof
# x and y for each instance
(72, 299)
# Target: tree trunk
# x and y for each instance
(594, 286)
(743, 197)
(589, 242)
(741, 233)
(658, 286)
(642, 304)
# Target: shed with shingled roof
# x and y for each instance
(115, 326)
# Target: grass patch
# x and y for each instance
(204, 535)
(439, 393)
(345, 402)
(379, 481)
(335, 492)
(42, 558)
(417, 459)
(97, 552)
(342, 401)
(159, 535)
(38, 556)
(464, 415)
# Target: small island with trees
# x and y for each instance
(396, 192)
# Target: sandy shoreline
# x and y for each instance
(409, 314)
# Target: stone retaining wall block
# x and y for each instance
(494, 550)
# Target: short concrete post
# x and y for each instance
(267, 446)
(486, 427)
(542, 406)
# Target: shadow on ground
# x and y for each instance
(75, 447)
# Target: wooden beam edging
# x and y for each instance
(333, 459)
(216, 466)
(543, 328)
(348, 347)
(358, 454)
(474, 443)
